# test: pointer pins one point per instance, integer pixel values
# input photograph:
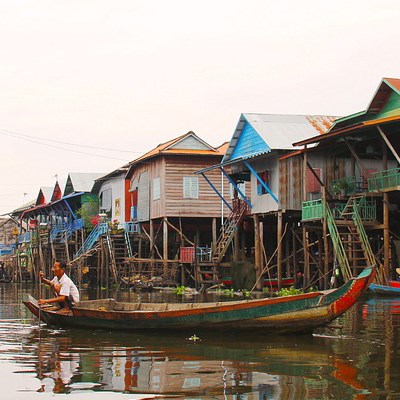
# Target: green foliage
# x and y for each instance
(87, 212)
(289, 291)
(228, 292)
(180, 290)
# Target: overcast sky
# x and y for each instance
(128, 75)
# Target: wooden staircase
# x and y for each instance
(120, 249)
(206, 274)
(349, 238)
(228, 230)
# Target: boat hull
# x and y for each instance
(299, 313)
(392, 290)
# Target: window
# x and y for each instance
(156, 189)
(105, 200)
(190, 187)
(241, 186)
(313, 185)
(265, 177)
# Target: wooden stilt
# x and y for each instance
(236, 245)
(257, 251)
(214, 234)
(151, 234)
(279, 248)
(165, 244)
(320, 282)
(386, 233)
(286, 255)
(306, 271)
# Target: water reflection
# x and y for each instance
(359, 361)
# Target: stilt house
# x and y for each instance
(358, 201)
(267, 202)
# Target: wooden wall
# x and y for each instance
(171, 170)
(208, 204)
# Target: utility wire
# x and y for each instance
(27, 137)
(61, 148)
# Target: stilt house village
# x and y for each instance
(288, 200)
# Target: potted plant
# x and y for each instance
(341, 187)
(113, 226)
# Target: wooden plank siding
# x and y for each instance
(171, 170)
(290, 183)
(208, 204)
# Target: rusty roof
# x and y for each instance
(376, 113)
(178, 146)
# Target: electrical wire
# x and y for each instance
(21, 135)
(64, 149)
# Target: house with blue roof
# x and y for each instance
(267, 188)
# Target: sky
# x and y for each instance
(88, 85)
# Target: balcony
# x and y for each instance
(314, 210)
(384, 180)
(132, 227)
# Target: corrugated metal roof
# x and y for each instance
(382, 93)
(80, 182)
(172, 147)
(47, 192)
(280, 131)
(384, 107)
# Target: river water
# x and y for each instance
(357, 358)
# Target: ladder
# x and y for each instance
(228, 230)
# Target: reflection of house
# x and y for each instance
(137, 374)
(268, 189)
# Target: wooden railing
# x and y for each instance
(382, 180)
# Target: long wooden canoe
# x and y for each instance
(393, 289)
(298, 313)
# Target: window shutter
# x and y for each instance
(190, 187)
(313, 186)
(156, 189)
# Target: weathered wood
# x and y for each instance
(257, 249)
(165, 243)
(279, 247)
(389, 145)
(214, 233)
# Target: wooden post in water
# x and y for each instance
(214, 234)
(306, 270)
(236, 245)
(279, 248)
(165, 245)
(326, 242)
(257, 250)
(386, 233)
(287, 255)
(151, 233)
(295, 258)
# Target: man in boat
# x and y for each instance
(67, 293)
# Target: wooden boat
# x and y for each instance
(393, 289)
(297, 313)
(268, 283)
